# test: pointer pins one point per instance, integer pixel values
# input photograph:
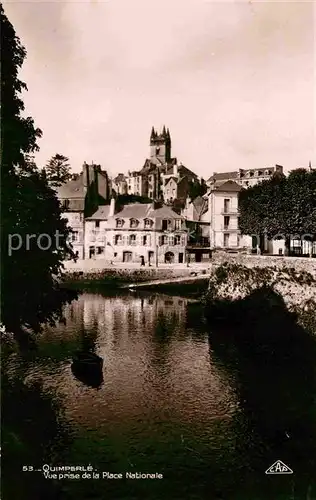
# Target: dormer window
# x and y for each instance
(119, 223)
(133, 223)
(148, 223)
(260, 172)
(251, 174)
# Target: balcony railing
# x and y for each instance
(230, 211)
(199, 242)
(229, 228)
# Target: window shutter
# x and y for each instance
(114, 240)
(183, 241)
(149, 240)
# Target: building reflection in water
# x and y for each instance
(154, 366)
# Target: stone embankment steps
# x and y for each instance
(155, 283)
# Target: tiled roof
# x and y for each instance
(101, 214)
(119, 178)
(141, 211)
(134, 210)
(71, 189)
(223, 176)
(228, 186)
(163, 212)
(173, 178)
(182, 170)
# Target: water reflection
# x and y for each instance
(169, 400)
(271, 360)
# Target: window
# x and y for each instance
(260, 172)
(75, 236)
(119, 223)
(165, 224)
(171, 240)
(251, 174)
(100, 250)
(226, 240)
(226, 205)
(65, 204)
(97, 223)
(146, 240)
(133, 223)
(118, 239)
(148, 223)
(163, 240)
(132, 239)
(177, 224)
(177, 239)
(226, 221)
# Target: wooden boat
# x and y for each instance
(87, 361)
(88, 368)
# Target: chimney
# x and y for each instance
(175, 170)
(112, 207)
(85, 177)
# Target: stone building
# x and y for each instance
(246, 178)
(119, 184)
(80, 198)
(161, 178)
(197, 217)
(223, 211)
(149, 230)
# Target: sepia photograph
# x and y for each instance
(158, 250)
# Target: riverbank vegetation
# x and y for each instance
(31, 256)
(282, 207)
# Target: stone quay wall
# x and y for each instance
(300, 264)
(234, 277)
(103, 272)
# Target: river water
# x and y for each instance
(169, 403)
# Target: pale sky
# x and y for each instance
(233, 81)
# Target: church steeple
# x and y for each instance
(160, 145)
(153, 133)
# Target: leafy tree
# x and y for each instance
(280, 207)
(58, 170)
(197, 189)
(30, 211)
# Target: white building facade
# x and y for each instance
(148, 233)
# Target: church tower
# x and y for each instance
(160, 145)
